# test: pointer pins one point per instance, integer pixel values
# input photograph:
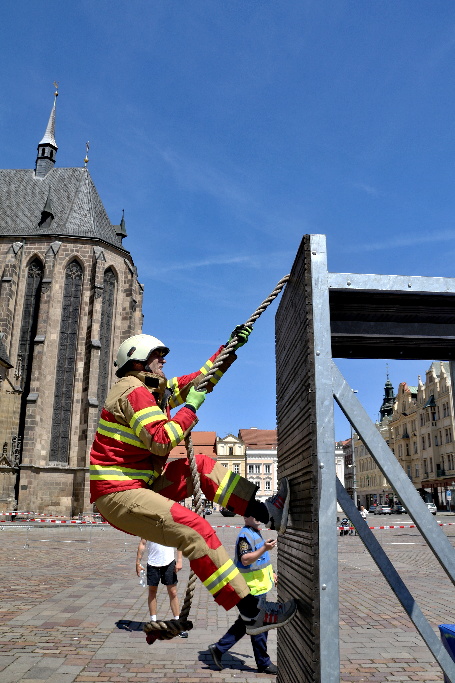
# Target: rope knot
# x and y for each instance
(166, 630)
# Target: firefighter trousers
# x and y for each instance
(154, 515)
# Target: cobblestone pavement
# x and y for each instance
(72, 608)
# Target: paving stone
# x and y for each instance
(68, 616)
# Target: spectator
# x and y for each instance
(161, 566)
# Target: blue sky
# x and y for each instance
(229, 129)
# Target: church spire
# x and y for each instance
(120, 230)
(47, 147)
(386, 409)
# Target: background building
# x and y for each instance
(261, 459)
(69, 296)
(230, 452)
(430, 465)
(372, 487)
(418, 425)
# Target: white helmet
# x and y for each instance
(138, 348)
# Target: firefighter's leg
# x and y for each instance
(149, 515)
(219, 484)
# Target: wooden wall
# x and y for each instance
(298, 642)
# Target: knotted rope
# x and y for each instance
(165, 630)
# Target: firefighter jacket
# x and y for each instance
(258, 574)
(136, 432)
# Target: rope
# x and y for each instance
(165, 630)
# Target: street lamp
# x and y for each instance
(453, 490)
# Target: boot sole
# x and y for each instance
(284, 516)
(268, 627)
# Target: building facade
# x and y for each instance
(368, 482)
(419, 430)
(432, 467)
(230, 452)
(261, 459)
(69, 296)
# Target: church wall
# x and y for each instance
(9, 411)
(47, 487)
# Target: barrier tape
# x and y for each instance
(395, 526)
(24, 512)
(64, 521)
(77, 521)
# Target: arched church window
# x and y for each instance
(66, 364)
(29, 321)
(43, 152)
(107, 313)
(51, 154)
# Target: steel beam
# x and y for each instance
(396, 583)
(394, 473)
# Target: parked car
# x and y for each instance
(372, 508)
(398, 509)
(432, 508)
(383, 510)
(208, 511)
(227, 513)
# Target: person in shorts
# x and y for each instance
(161, 567)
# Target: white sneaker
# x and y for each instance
(278, 507)
(272, 615)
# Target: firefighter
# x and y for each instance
(136, 491)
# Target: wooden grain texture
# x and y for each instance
(298, 642)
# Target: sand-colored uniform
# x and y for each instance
(136, 490)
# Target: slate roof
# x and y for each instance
(76, 206)
(49, 135)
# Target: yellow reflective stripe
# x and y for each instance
(176, 399)
(174, 432)
(221, 577)
(145, 416)
(216, 377)
(225, 489)
(119, 432)
(106, 472)
(206, 367)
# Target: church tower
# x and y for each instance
(47, 148)
(386, 409)
(69, 296)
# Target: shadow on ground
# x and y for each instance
(230, 661)
(126, 625)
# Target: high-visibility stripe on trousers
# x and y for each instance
(152, 514)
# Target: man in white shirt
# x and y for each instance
(161, 566)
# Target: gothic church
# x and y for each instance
(69, 295)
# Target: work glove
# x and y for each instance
(195, 398)
(242, 332)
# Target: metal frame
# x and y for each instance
(338, 325)
(416, 508)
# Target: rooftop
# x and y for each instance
(259, 438)
(77, 210)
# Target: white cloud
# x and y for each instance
(369, 189)
(403, 241)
